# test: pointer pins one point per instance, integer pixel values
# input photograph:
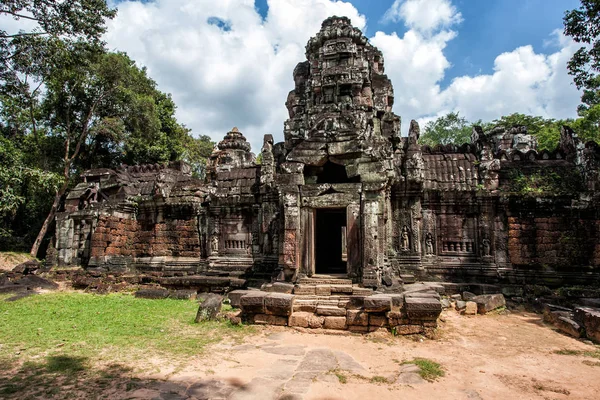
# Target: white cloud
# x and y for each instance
(237, 72)
(522, 80)
(423, 15)
(220, 77)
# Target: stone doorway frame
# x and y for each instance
(353, 241)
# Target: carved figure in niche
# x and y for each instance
(486, 247)
(429, 244)
(214, 244)
(404, 239)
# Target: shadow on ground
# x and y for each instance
(63, 377)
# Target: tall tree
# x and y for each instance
(583, 26)
(450, 128)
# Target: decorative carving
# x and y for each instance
(214, 244)
(486, 247)
(405, 239)
(429, 244)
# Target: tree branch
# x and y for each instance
(14, 14)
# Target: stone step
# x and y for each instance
(314, 281)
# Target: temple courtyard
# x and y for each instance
(79, 345)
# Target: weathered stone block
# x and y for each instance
(152, 293)
(408, 329)
(267, 319)
(235, 297)
(378, 303)
(355, 302)
(182, 294)
(299, 319)
(253, 302)
(323, 290)
(470, 308)
(468, 296)
(357, 318)
(331, 311)
(489, 302)
(305, 290)
(280, 287)
(589, 318)
(569, 327)
(338, 323)
(422, 308)
(316, 321)
(209, 308)
(358, 329)
(279, 304)
(377, 320)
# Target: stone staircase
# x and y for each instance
(326, 295)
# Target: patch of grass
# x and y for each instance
(585, 353)
(84, 325)
(379, 379)
(591, 363)
(342, 378)
(428, 369)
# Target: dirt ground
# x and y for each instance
(484, 357)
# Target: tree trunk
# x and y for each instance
(38, 240)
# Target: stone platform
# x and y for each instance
(338, 304)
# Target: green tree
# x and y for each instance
(197, 151)
(546, 131)
(583, 26)
(450, 128)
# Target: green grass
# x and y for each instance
(428, 369)
(585, 353)
(85, 324)
(379, 379)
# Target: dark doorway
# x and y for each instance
(330, 257)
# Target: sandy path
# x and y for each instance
(485, 357)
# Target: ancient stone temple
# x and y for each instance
(346, 197)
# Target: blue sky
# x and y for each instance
(489, 27)
(229, 62)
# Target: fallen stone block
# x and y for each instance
(445, 303)
(460, 305)
(489, 302)
(422, 308)
(11, 288)
(253, 302)
(589, 318)
(235, 297)
(468, 296)
(377, 303)
(279, 304)
(37, 282)
(152, 294)
(470, 308)
(209, 308)
(570, 327)
(338, 323)
(456, 297)
(357, 318)
(182, 294)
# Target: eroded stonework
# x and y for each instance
(346, 195)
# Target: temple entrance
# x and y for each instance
(330, 241)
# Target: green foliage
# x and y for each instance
(66, 105)
(450, 128)
(197, 151)
(544, 182)
(428, 369)
(583, 26)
